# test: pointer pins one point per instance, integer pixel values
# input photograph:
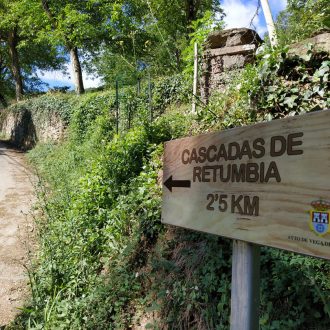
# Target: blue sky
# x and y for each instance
(60, 79)
(239, 13)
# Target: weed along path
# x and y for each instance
(16, 198)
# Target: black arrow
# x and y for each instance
(170, 183)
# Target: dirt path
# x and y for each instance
(16, 199)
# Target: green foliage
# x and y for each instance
(70, 23)
(105, 261)
(100, 199)
(291, 85)
(90, 107)
(7, 88)
(115, 39)
(201, 29)
(84, 224)
(301, 19)
(191, 275)
(126, 47)
(168, 90)
(22, 52)
(277, 86)
(134, 108)
(150, 34)
(48, 104)
(299, 295)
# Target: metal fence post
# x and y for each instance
(129, 115)
(193, 109)
(138, 86)
(245, 286)
(150, 98)
(117, 107)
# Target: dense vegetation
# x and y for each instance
(301, 19)
(118, 39)
(104, 260)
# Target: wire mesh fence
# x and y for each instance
(146, 99)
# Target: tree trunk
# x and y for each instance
(191, 12)
(76, 69)
(3, 100)
(15, 65)
(178, 59)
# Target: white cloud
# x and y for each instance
(277, 5)
(57, 77)
(91, 81)
(240, 14)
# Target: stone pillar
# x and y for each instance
(226, 52)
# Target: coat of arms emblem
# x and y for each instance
(320, 217)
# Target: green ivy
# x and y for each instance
(105, 261)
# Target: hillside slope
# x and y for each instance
(105, 259)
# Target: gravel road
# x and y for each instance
(16, 230)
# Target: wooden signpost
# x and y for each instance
(267, 184)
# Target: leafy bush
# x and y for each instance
(294, 291)
(277, 86)
(301, 19)
(89, 108)
(291, 85)
(100, 198)
(42, 107)
(106, 261)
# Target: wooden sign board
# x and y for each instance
(267, 183)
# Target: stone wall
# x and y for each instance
(226, 52)
(320, 42)
(24, 128)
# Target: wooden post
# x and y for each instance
(193, 109)
(117, 107)
(269, 22)
(245, 285)
(150, 98)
